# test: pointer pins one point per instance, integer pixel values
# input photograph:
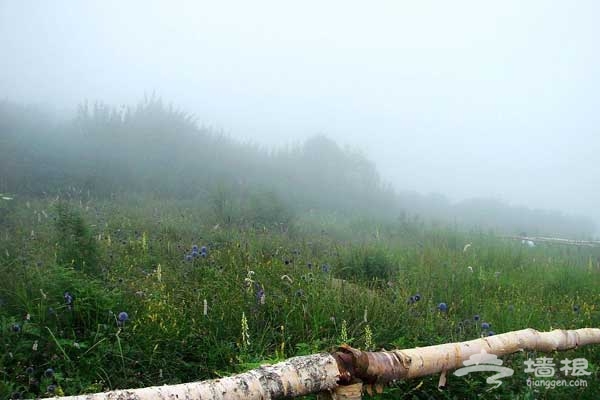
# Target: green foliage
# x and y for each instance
(224, 204)
(76, 245)
(273, 225)
(367, 263)
(52, 333)
(267, 209)
(6, 204)
(292, 305)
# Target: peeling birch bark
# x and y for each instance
(325, 372)
(388, 366)
(291, 378)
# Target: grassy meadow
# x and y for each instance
(138, 249)
(106, 294)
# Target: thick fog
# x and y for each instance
(466, 99)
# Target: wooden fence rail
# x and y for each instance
(553, 240)
(345, 373)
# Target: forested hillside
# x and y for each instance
(157, 150)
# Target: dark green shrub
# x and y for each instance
(267, 209)
(76, 245)
(367, 263)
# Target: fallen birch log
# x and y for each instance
(328, 372)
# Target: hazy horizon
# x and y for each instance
(463, 99)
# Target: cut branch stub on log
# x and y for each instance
(326, 372)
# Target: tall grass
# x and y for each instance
(139, 249)
(298, 288)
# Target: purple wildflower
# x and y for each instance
(260, 295)
(123, 316)
(68, 298)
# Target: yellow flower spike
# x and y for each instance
(159, 273)
(245, 331)
(144, 242)
(368, 338)
(344, 333)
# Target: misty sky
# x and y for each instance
(462, 98)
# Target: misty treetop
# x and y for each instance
(154, 149)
